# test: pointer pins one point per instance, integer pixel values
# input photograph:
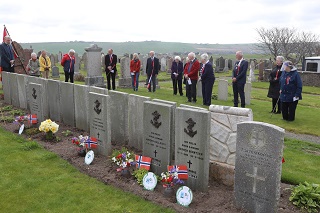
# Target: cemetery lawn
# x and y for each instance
(37, 180)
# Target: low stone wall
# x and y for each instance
(223, 135)
(310, 78)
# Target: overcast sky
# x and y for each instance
(203, 21)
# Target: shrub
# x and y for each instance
(7, 119)
(7, 108)
(139, 174)
(306, 196)
(32, 131)
(17, 112)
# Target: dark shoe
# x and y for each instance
(181, 94)
(278, 112)
(188, 101)
(194, 101)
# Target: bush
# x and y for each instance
(139, 174)
(17, 112)
(79, 77)
(32, 131)
(306, 196)
(7, 119)
(7, 108)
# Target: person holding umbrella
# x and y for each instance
(135, 65)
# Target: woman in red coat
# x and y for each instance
(135, 71)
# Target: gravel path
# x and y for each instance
(303, 137)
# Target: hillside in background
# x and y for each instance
(144, 47)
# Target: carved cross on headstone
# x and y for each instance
(98, 135)
(189, 162)
(255, 178)
(257, 139)
(155, 153)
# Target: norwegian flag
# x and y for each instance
(32, 119)
(143, 162)
(6, 33)
(91, 143)
(182, 171)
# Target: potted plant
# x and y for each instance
(124, 159)
(49, 127)
(169, 179)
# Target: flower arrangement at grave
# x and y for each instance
(171, 177)
(32, 119)
(49, 127)
(84, 144)
(123, 159)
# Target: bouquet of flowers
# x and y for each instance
(80, 141)
(123, 158)
(170, 178)
(49, 127)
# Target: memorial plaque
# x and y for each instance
(258, 166)
(192, 139)
(54, 100)
(81, 105)
(35, 93)
(135, 117)
(99, 116)
(67, 103)
(157, 125)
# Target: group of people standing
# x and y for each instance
(285, 89)
(37, 66)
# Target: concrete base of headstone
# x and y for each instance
(222, 173)
(125, 82)
(95, 81)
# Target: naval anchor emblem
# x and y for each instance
(189, 130)
(155, 119)
(34, 93)
(96, 108)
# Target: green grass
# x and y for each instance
(39, 181)
(302, 162)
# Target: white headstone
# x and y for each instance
(54, 100)
(223, 90)
(81, 106)
(94, 72)
(67, 103)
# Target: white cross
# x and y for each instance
(255, 178)
(256, 137)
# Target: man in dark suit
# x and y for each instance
(6, 54)
(111, 68)
(152, 71)
(207, 78)
(191, 74)
(239, 77)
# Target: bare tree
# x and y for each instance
(290, 43)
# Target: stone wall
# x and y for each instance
(223, 134)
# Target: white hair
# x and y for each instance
(279, 57)
(177, 57)
(204, 56)
(192, 55)
(7, 36)
(239, 53)
(72, 51)
(136, 54)
(34, 54)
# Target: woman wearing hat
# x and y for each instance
(290, 90)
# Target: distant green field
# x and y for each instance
(144, 47)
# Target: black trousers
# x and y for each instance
(153, 83)
(238, 89)
(274, 103)
(113, 78)
(192, 91)
(68, 75)
(289, 110)
(175, 83)
(207, 92)
(8, 69)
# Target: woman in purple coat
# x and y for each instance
(176, 75)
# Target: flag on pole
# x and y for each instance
(6, 33)
(143, 162)
(182, 171)
(32, 119)
(91, 143)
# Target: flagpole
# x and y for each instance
(14, 49)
